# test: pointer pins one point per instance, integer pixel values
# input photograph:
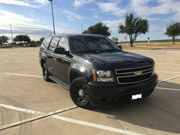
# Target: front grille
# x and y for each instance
(134, 75)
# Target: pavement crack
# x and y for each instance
(41, 116)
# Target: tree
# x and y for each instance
(98, 28)
(36, 43)
(22, 39)
(173, 30)
(41, 40)
(134, 27)
(3, 39)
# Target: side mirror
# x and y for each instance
(60, 50)
(120, 47)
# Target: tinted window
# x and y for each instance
(63, 43)
(53, 44)
(91, 43)
(46, 41)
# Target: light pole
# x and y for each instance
(11, 34)
(52, 16)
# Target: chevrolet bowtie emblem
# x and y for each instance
(138, 73)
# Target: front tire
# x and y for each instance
(80, 93)
(45, 73)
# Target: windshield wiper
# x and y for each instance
(110, 50)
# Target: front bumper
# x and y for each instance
(111, 90)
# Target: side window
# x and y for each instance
(46, 42)
(53, 44)
(63, 43)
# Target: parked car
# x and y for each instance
(93, 68)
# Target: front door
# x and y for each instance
(63, 61)
(50, 55)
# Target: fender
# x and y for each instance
(80, 70)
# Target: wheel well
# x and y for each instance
(74, 75)
(42, 62)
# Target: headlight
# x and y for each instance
(102, 73)
(102, 76)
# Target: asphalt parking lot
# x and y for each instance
(31, 106)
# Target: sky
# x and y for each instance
(33, 17)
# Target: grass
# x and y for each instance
(145, 44)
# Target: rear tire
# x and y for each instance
(45, 73)
(80, 93)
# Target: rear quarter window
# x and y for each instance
(46, 42)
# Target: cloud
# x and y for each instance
(78, 3)
(71, 15)
(142, 8)
(165, 7)
(17, 2)
(111, 7)
(24, 3)
(96, 16)
(42, 1)
(113, 23)
(24, 25)
(7, 17)
(156, 27)
(20, 23)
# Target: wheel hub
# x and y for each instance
(81, 92)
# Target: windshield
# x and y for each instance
(91, 44)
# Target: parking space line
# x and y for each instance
(25, 75)
(172, 89)
(171, 78)
(98, 126)
(169, 72)
(53, 115)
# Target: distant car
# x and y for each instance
(5, 45)
(93, 68)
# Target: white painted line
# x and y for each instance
(169, 72)
(19, 109)
(171, 78)
(98, 126)
(79, 122)
(172, 89)
(25, 75)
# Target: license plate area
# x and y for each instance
(136, 96)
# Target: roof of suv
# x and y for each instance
(71, 35)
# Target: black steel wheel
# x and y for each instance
(80, 93)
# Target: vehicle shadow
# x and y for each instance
(160, 111)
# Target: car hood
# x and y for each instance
(117, 60)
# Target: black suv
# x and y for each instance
(93, 68)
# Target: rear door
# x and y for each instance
(63, 61)
(50, 55)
